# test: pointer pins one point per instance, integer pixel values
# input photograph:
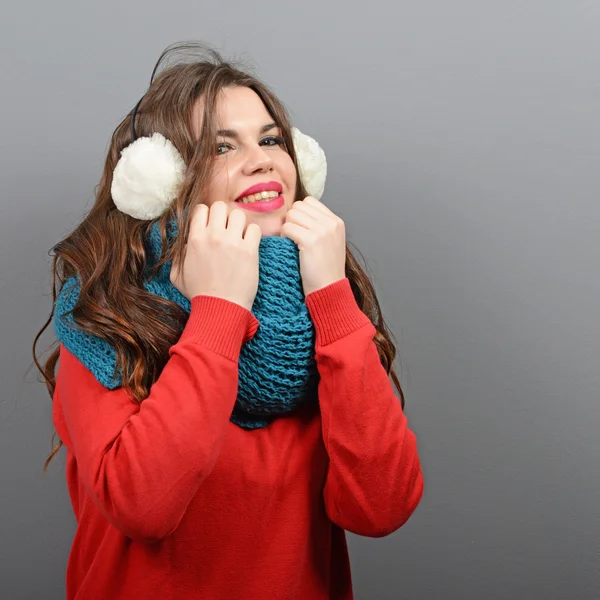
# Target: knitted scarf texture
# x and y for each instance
(277, 369)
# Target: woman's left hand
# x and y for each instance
(321, 238)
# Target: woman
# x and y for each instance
(223, 390)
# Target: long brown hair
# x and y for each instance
(106, 249)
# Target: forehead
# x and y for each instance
(238, 108)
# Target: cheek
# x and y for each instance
(212, 193)
(288, 171)
(217, 188)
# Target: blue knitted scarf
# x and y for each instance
(277, 370)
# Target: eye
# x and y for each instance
(223, 147)
(272, 140)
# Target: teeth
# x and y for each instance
(258, 197)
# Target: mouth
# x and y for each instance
(264, 205)
(261, 192)
(259, 197)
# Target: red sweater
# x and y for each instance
(173, 501)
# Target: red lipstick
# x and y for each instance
(263, 205)
(268, 186)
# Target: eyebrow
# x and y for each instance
(234, 134)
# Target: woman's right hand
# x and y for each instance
(221, 257)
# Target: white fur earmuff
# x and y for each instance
(311, 163)
(147, 177)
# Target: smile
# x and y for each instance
(269, 204)
(260, 197)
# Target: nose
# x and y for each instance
(258, 161)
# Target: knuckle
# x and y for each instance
(237, 215)
(198, 210)
(196, 236)
(215, 238)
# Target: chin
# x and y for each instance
(270, 226)
(267, 231)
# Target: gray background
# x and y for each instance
(463, 142)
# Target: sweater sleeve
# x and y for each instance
(142, 463)
(374, 481)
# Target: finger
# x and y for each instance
(313, 202)
(294, 232)
(236, 222)
(217, 219)
(174, 272)
(308, 209)
(199, 216)
(301, 217)
(253, 234)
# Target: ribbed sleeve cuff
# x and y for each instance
(219, 325)
(334, 312)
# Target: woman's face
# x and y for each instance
(249, 152)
